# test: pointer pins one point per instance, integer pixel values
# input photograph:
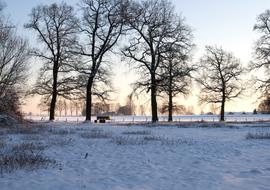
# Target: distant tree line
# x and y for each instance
(75, 51)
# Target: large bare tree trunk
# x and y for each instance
(170, 107)
(89, 101)
(88, 109)
(154, 99)
(54, 96)
(222, 110)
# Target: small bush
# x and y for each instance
(96, 134)
(145, 132)
(23, 156)
(258, 136)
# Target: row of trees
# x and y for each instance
(151, 37)
(75, 50)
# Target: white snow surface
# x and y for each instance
(179, 159)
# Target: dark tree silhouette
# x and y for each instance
(264, 106)
(262, 52)
(101, 27)
(176, 69)
(150, 23)
(54, 26)
(14, 65)
(219, 77)
(14, 58)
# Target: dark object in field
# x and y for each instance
(102, 119)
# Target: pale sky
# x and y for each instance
(226, 23)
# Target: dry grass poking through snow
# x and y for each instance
(29, 147)
(96, 134)
(258, 136)
(129, 140)
(144, 132)
(23, 156)
(62, 131)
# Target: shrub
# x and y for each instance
(23, 156)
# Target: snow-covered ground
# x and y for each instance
(102, 157)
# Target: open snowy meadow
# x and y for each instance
(193, 156)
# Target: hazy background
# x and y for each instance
(226, 23)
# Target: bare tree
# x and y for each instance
(262, 52)
(54, 26)
(14, 56)
(176, 69)
(101, 27)
(150, 23)
(219, 77)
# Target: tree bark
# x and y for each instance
(170, 107)
(54, 95)
(154, 99)
(222, 111)
(89, 100)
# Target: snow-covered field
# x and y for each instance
(111, 157)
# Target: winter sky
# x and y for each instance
(226, 23)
